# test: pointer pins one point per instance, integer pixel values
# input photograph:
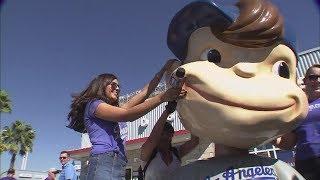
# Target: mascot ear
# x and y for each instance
(170, 70)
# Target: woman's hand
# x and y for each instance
(150, 87)
(173, 94)
(166, 67)
(169, 63)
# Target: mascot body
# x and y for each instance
(240, 74)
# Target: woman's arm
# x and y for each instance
(154, 138)
(188, 146)
(112, 113)
(148, 88)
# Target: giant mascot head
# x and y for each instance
(240, 72)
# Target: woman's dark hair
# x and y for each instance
(95, 90)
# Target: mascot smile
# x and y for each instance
(240, 76)
(240, 73)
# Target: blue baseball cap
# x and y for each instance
(206, 13)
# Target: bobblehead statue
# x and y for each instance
(240, 75)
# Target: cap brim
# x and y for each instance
(190, 18)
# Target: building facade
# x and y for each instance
(137, 131)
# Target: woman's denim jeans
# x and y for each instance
(106, 166)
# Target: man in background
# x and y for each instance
(306, 137)
(68, 171)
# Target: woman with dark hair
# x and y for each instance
(96, 110)
(157, 152)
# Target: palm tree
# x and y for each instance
(3, 147)
(18, 139)
(5, 102)
(5, 106)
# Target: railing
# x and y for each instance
(160, 88)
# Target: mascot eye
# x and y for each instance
(281, 69)
(212, 55)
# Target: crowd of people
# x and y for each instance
(96, 110)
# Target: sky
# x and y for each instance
(50, 49)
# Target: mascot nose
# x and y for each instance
(245, 70)
(177, 77)
(180, 72)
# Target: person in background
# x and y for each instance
(52, 173)
(96, 110)
(51, 176)
(10, 175)
(306, 137)
(157, 152)
(68, 171)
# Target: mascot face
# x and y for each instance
(242, 92)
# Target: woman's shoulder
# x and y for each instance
(91, 107)
(94, 103)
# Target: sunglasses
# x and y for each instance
(313, 77)
(115, 85)
(63, 157)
